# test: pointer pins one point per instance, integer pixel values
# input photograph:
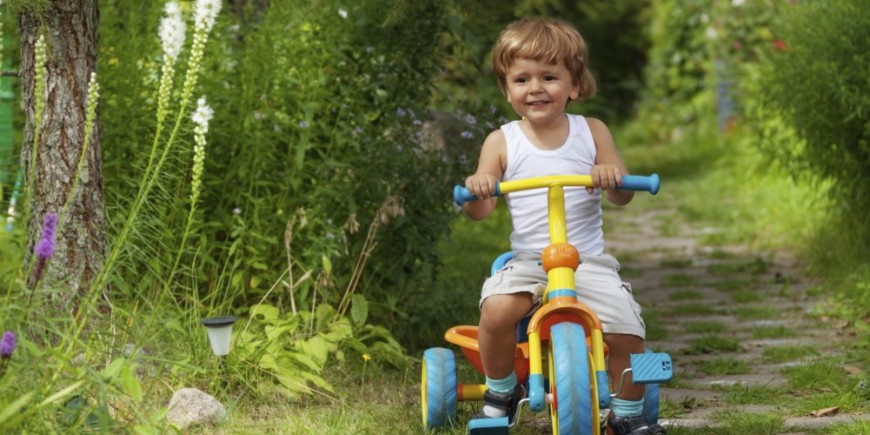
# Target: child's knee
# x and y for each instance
(504, 311)
(624, 343)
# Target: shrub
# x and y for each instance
(819, 82)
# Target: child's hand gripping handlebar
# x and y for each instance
(629, 182)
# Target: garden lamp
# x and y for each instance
(220, 332)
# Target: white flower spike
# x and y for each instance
(205, 13)
(172, 30)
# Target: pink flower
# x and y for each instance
(780, 44)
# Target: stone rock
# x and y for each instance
(190, 406)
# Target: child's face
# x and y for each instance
(538, 90)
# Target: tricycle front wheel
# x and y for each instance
(571, 408)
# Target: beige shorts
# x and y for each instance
(598, 283)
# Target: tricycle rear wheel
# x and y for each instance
(438, 387)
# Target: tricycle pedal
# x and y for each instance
(651, 368)
(489, 426)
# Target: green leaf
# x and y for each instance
(305, 360)
(269, 312)
(131, 383)
(267, 361)
(317, 381)
(14, 407)
(339, 331)
(327, 265)
(317, 348)
(61, 394)
(359, 309)
(275, 332)
(114, 367)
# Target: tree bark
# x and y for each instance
(70, 31)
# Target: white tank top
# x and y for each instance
(528, 209)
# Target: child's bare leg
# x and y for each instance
(496, 333)
(621, 347)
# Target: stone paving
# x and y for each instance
(709, 305)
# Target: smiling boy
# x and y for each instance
(541, 66)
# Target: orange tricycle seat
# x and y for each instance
(465, 336)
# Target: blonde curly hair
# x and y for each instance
(545, 40)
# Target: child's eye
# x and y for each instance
(520, 80)
(549, 78)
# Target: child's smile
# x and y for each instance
(539, 91)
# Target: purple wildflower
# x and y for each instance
(45, 247)
(7, 344)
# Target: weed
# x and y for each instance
(746, 296)
(725, 366)
(685, 295)
(757, 313)
(692, 309)
(733, 284)
(742, 394)
(850, 428)
(655, 330)
(708, 327)
(679, 280)
(823, 376)
(781, 354)
(772, 332)
(676, 264)
(713, 344)
(757, 266)
(737, 422)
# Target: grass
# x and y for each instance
(705, 327)
(679, 280)
(757, 313)
(741, 394)
(692, 309)
(725, 366)
(781, 354)
(713, 344)
(746, 296)
(733, 284)
(685, 295)
(748, 423)
(772, 332)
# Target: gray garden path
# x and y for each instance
(726, 295)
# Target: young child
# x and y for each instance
(541, 66)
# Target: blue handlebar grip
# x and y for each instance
(640, 182)
(461, 195)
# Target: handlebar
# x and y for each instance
(644, 183)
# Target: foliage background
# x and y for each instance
(325, 222)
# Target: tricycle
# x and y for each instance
(571, 378)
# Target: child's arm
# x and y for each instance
(609, 168)
(490, 169)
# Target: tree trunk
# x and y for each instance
(70, 31)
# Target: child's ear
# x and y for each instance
(575, 92)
